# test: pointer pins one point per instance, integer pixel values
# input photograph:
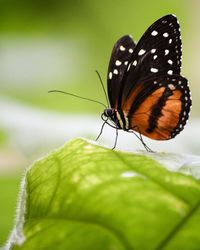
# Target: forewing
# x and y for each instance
(119, 60)
(159, 51)
(161, 108)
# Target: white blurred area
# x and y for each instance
(34, 132)
(28, 63)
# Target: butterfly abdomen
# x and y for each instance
(122, 120)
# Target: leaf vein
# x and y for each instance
(178, 227)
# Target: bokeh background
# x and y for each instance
(58, 44)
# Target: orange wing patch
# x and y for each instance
(154, 121)
(127, 103)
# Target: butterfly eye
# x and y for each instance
(108, 112)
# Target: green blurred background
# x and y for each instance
(59, 44)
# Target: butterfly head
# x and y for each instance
(112, 115)
(108, 112)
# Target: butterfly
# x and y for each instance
(146, 92)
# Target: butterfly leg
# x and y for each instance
(101, 130)
(148, 149)
(116, 137)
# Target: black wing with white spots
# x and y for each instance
(148, 92)
(119, 60)
(158, 52)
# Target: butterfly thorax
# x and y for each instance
(118, 117)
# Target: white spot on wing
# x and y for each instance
(154, 70)
(141, 52)
(122, 48)
(165, 34)
(166, 52)
(115, 72)
(110, 75)
(170, 41)
(135, 63)
(126, 62)
(118, 63)
(153, 51)
(155, 56)
(171, 86)
(169, 72)
(154, 33)
(170, 62)
(130, 50)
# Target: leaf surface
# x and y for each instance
(84, 197)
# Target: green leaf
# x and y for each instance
(84, 197)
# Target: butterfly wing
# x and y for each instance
(149, 91)
(161, 108)
(153, 96)
(158, 52)
(119, 60)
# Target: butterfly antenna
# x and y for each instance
(84, 98)
(103, 87)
